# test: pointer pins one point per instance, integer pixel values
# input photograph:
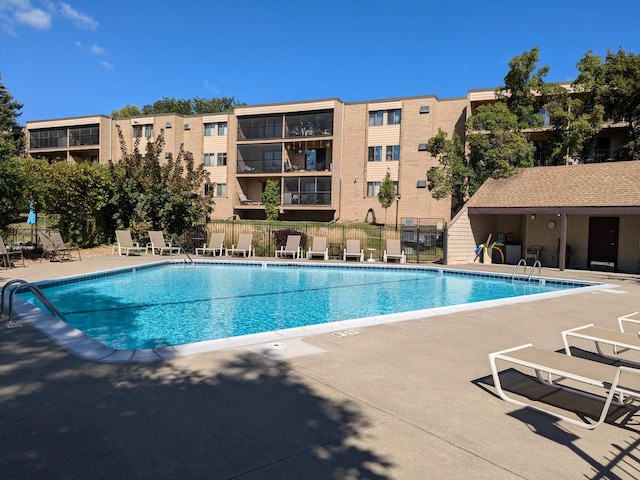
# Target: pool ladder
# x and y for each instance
(20, 284)
(177, 242)
(523, 263)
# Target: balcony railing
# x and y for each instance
(599, 155)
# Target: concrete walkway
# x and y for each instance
(408, 400)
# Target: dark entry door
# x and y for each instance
(603, 240)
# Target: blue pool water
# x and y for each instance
(177, 304)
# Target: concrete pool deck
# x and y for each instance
(407, 400)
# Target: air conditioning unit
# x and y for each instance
(168, 125)
(422, 147)
(421, 184)
(424, 109)
(187, 126)
(168, 155)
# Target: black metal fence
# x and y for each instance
(421, 243)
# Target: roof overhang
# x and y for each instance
(628, 210)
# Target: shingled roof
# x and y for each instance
(611, 184)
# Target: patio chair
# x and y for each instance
(50, 250)
(6, 254)
(291, 248)
(159, 244)
(125, 244)
(353, 250)
(243, 167)
(619, 385)
(394, 251)
(244, 245)
(616, 342)
(61, 246)
(318, 248)
(215, 244)
(243, 199)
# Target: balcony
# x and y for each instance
(599, 155)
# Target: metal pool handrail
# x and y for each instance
(177, 242)
(35, 290)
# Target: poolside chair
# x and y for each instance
(50, 250)
(244, 245)
(353, 250)
(618, 385)
(394, 251)
(243, 167)
(291, 248)
(125, 243)
(61, 246)
(6, 254)
(318, 248)
(158, 244)
(215, 244)
(616, 342)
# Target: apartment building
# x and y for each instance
(328, 156)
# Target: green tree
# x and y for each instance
(76, 193)
(271, 200)
(168, 105)
(126, 112)
(13, 199)
(521, 83)
(620, 97)
(386, 194)
(10, 110)
(149, 195)
(454, 176)
(194, 106)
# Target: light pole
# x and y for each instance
(397, 201)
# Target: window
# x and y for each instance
(375, 118)
(209, 159)
(221, 190)
(222, 159)
(373, 188)
(209, 129)
(137, 131)
(375, 154)
(51, 138)
(222, 128)
(393, 152)
(394, 117)
(207, 188)
(148, 131)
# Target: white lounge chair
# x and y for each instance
(319, 248)
(353, 250)
(244, 245)
(215, 245)
(159, 244)
(617, 342)
(394, 251)
(126, 245)
(291, 248)
(618, 385)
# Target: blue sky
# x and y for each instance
(76, 58)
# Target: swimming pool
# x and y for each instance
(171, 304)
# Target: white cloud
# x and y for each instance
(106, 65)
(97, 50)
(80, 20)
(33, 17)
